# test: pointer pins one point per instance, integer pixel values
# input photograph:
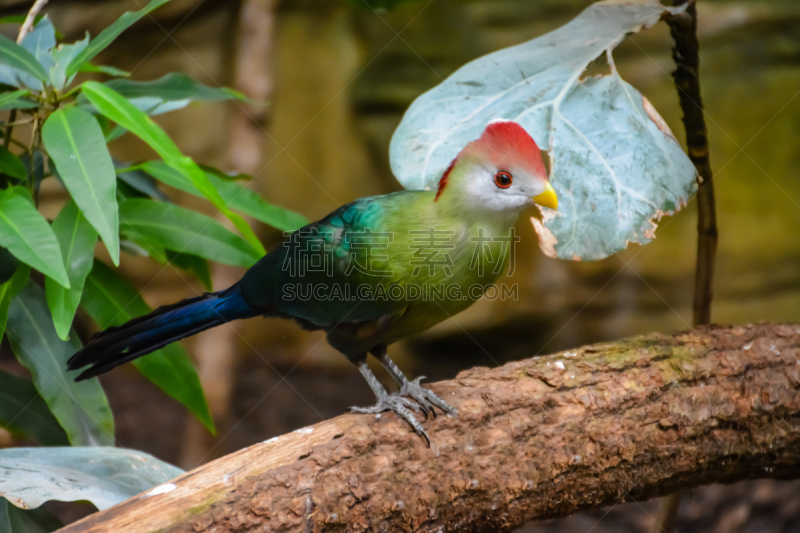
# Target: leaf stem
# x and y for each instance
(19, 122)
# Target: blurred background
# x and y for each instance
(337, 77)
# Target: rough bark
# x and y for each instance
(539, 438)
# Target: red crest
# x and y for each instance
(507, 146)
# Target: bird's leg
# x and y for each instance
(412, 388)
(390, 402)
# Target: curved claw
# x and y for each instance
(425, 397)
(400, 406)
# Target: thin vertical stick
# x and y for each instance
(683, 28)
(686, 53)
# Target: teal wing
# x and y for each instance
(335, 270)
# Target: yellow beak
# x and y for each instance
(548, 198)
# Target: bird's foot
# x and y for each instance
(402, 407)
(425, 397)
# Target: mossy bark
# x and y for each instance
(539, 438)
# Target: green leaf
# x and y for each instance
(11, 518)
(168, 93)
(18, 19)
(38, 520)
(103, 69)
(28, 235)
(9, 290)
(173, 87)
(11, 164)
(377, 5)
(184, 230)
(34, 167)
(143, 248)
(81, 408)
(118, 109)
(76, 237)
(75, 142)
(39, 41)
(197, 266)
(23, 412)
(236, 196)
(150, 105)
(142, 183)
(111, 300)
(117, 132)
(107, 36)
(104, 475)
(62, 56)
(17, 57)
(217, 173)
(14, 100)
(8, 265)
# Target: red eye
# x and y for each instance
(503, 180)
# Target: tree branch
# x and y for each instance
(30, 19)
(535, 439)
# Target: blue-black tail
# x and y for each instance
(140, 336)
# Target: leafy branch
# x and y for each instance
(74, 109)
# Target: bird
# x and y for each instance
(372, 272)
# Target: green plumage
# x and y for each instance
(380, 268)
(372, 272)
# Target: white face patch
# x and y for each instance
(482, 191)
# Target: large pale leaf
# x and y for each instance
(28, 235)
(111, 300)
(75, 142)
(614, 163)
(76, 237)
(237, 196)
(107, 36)
(104, 475)
(184, 230)
(81, 408)
(23, 412)
(121, 111)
